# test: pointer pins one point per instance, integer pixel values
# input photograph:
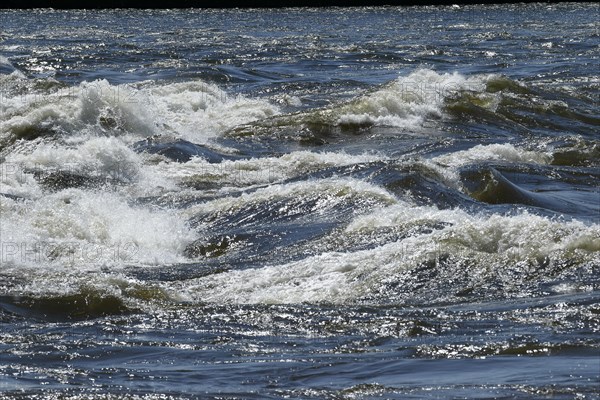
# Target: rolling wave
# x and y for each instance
(119, 197)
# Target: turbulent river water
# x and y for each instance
(300, 203)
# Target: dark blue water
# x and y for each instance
(301, 203)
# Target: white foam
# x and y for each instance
(196, 110)
(96, 155)
(487, 243)
(493, 152)
(193, 110)
(408, 101)
(260, 170)
(15, 181)
(331, 191)
(103, 160)
(447, 165)
(88, 229)
(63, 241)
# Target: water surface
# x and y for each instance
(300, 203)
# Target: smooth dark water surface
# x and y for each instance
(346, 203)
